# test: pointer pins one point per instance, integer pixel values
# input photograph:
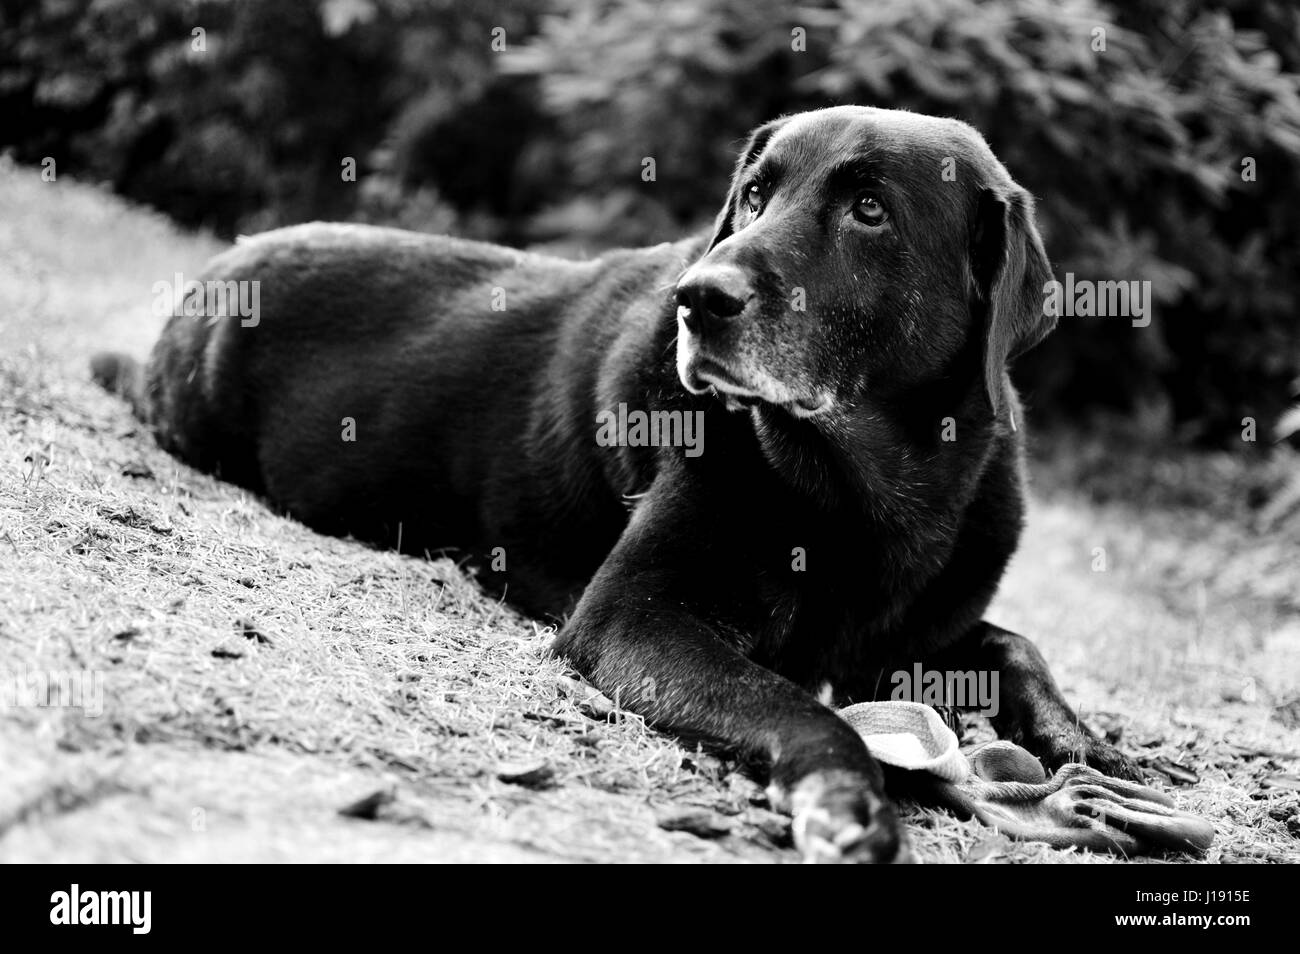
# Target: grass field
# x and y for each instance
(259, 680)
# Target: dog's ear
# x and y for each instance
(1009, 267)
(758, 140)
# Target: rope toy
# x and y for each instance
(1005, 787)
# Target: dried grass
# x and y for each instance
(377, 673)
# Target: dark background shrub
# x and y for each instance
(1135, 152)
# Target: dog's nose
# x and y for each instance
(711, 296)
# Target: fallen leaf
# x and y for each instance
(535, 775)
(1288, 713)
(1178, 774)
(1286, 782)
(127, 516)
(368, 808)
(249, 630)
(590, 701)
(989, 850)
(699, 822)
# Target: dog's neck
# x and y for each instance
(907, 468)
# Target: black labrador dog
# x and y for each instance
(830, 489)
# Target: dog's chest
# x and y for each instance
(829, 612)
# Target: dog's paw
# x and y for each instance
(1095, 753)
(838, 819)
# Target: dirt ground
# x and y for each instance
(269, 694)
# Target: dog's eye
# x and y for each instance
(754, 198)
(869, 211)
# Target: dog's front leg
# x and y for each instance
(640, 634)
(1031, 710)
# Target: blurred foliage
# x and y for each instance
(1135, 151)
(251, 131)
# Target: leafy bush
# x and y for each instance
(1133, 138)
(251, 131)
(1129, 119)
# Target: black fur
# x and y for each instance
(678, 576)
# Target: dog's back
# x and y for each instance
(392, 385)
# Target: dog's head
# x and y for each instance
(860, 249)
